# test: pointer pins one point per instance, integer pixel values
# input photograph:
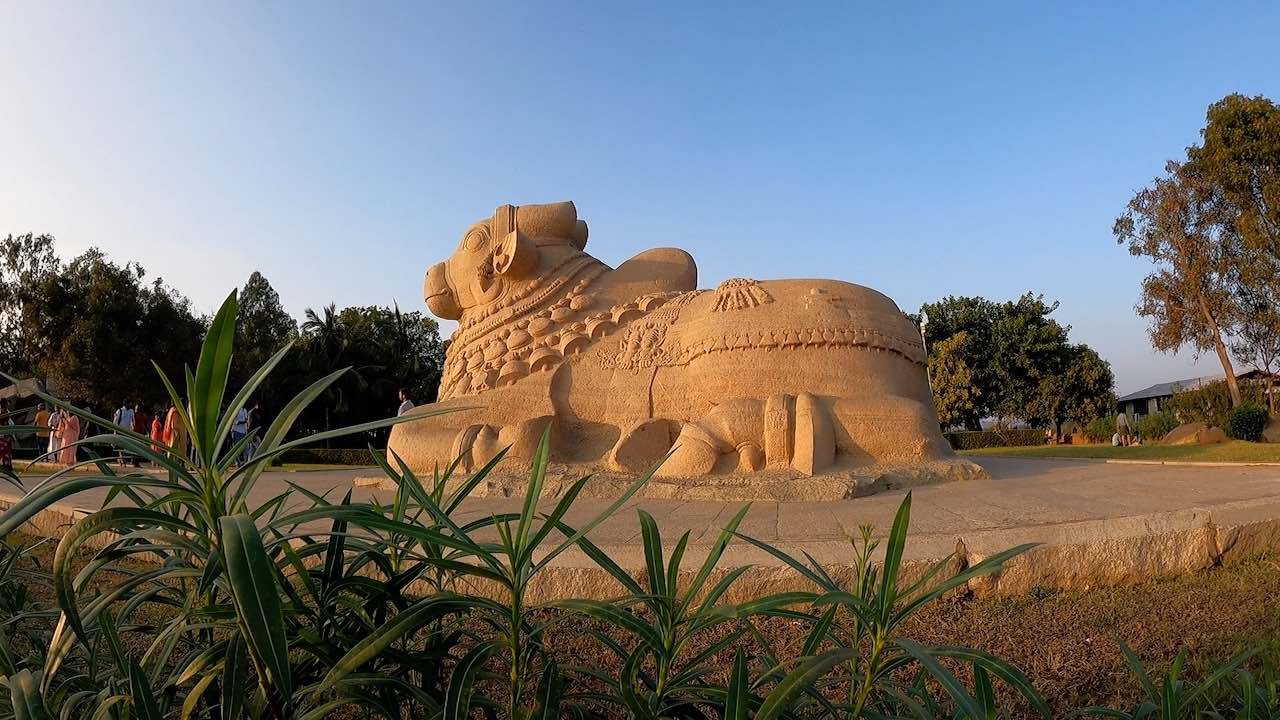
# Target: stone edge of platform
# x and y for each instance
(1073, 556)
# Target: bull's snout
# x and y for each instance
(439, 296)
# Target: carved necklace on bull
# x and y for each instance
(519, 330)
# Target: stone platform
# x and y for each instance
(1098, 524)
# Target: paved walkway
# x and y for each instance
(1023, 500)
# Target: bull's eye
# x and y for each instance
(476, 238)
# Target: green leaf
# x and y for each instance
(235, 678)
(944, 677)
(799, 680)
(110, 518)
(257, 599)
(144, 701)
(406, 621)
(457, 698)
(737, 705)
(212, 372)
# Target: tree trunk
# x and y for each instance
(1221, 348)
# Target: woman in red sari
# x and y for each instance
(157, 432)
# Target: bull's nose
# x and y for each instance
(439, 297)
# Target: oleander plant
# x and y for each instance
(192, 592)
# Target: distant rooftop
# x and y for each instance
(1165, 389)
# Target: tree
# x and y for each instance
(262, 328)
(1080, 391)
(975, 318)
(1028, 348)
(1013, 361)
(25, 260)
(1240, 159)
(94, 328)
(385, 350)
(954, 394)
(1257, 337)
(1190, 297)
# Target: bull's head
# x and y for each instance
(500, 254)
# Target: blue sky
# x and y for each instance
(922, 149)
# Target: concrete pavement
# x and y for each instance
(1099, 523)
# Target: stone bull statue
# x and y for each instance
(781, 378)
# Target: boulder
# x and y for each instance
(1271, 433)
(1184, 434)
(1194, 434)
(1211, 436)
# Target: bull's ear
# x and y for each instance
(579, 239)
(515, 256)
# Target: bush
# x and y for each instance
(1157, 425)
(1247, 422)
(976, 439)
(1211, 403)
(327, 456)
(1100, 430)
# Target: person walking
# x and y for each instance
(253, 426)
(157, 432)
(406, 404)
(42, 422)
(175, 433)
(240, 428)
(68, 434)
(1122, 429)
(123, 418)
(55, 440)
(141, 426)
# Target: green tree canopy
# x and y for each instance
(94, 327)
(1010, 360)
(954, 393)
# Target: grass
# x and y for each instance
(1231, 451)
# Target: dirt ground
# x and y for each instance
(1066, 643)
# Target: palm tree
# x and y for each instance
(325, 339)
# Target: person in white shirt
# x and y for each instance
(405, 403)
(55, 442)
(123, 418)
(240, 427)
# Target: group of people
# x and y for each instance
(59, 432)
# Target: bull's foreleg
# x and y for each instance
(780, 432)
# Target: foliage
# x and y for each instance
(1101, 429)
(1079, 391)
(327, 456)
(1189, 297)
(1247, 422)
(386, 349)
(1011, 360)
(954, 393)
(1173, 698)
(262, 327)
(1209, 403)
(93, 328)
(25, 261)
(1156, 425)
(1004, 437)
(1240, 158)
(1257, 337)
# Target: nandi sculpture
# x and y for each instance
(789, 389)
